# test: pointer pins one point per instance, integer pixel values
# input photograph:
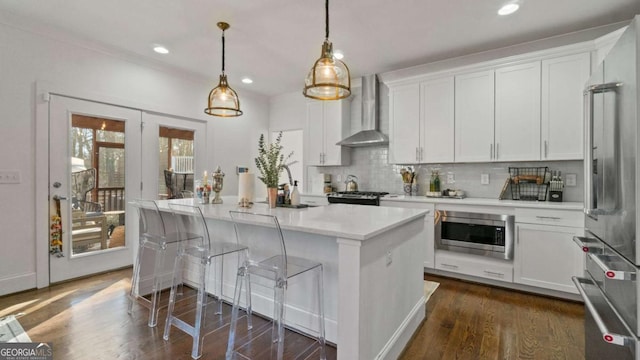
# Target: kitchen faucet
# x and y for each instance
(286, 167)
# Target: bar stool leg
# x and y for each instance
(220, 278)
(157, 284)
(177, 279)
(201, 309)
(240, 278)
(135, 278)
(321, 335)
(277, 333)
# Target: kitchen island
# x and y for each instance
(373, 271)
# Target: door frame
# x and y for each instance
(43, 92)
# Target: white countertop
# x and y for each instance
(489, 202)
(355, 222)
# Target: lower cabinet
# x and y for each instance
(546, 256)
(473, 265)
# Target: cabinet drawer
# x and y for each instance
(474, 266)
(573, 218)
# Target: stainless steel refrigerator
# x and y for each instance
(612, 140)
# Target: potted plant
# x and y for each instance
(270, 162)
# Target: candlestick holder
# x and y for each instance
(218, 177)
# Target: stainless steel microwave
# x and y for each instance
(473, 233)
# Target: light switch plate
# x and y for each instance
(570, 180)
(451, 179)
(9, 176)
(484, 179)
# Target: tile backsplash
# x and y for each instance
(371, 166)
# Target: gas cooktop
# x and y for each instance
(356, 197)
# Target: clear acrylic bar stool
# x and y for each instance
(268, 259)
(153, 235)
(190, 220)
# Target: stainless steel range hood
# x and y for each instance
(369, 134)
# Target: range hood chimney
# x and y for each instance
(369, 134)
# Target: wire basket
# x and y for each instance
(529, 183)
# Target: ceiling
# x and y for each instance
(275, 42)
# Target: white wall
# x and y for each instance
(27, 57)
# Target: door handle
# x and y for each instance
(610, 273)
(546, 149)
(589, 206)
(58, 197)
(612, 338)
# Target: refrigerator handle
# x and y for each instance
(589, 206)
(616, 339)
(609, 273)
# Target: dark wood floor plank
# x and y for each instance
(87, 319)
(466, 320)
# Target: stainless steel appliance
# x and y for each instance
(609, 287)
(356, 197)
(474, 233)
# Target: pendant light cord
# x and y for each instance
(326, 11)
(222, 52)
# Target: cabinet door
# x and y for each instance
(315, 133)
(474, 101)
(336, 118)
(517, 121)
(437, 125)
(404, 124)
(563, 80)
(547, 257)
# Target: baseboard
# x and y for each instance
(17, 283)
(400, 338)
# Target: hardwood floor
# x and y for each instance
(472, 321)
(87, 319)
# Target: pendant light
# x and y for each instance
(329, 78)
(223, 100)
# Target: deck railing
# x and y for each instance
(111, 198)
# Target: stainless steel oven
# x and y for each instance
(474, 233)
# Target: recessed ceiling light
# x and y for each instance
(161, 49)
(508, 9)
(247, 80)
(338, 54)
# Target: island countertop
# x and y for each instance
(356, 222)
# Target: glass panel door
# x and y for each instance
(94, 156)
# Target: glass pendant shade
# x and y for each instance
(329, 78)
(223, 100)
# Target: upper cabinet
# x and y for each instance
(328, 122)
(404, 124)
(474, 117)
(437, 121)
(527, 108)
(563, 81)
(498, 114)
(421, 122)
(517, 118)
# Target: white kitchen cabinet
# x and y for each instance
(422, 122)
(328, 122)
(404, 124)
(517, 112)
(563, 81)
(474, 117)
(474, 265)
(545, 254)
(437, 121)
